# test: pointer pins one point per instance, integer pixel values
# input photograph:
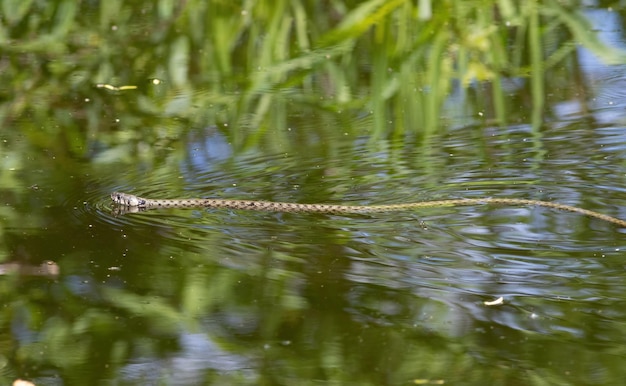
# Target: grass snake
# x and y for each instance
(134, 203)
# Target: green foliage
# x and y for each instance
(249, 64)
(254, 69)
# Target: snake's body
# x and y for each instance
(132, 201)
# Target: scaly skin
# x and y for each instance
(132, 201)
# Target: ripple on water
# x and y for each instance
(95, 204)
(457, 251)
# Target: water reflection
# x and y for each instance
(196, 355)
(222, 296)
(47, 268)
(247, 290)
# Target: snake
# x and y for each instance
(136, 203)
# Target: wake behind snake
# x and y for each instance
(135, 203)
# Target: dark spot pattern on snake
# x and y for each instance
(132, 201)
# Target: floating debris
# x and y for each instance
(115, 88)
(496, 302)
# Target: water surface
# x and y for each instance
(485, 294)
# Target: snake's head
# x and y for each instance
(128, 200)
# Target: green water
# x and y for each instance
(200, 296)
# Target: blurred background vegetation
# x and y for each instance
(377, 67)
(88, 85)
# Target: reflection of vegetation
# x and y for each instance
(277, 320)
(246, 68)
(247, 65)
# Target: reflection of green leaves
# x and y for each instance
(359, 20)
(250, 64)
(246, 68)
(162, 316)
(57, 337)
(179, 62)
(580, 29)
(14, 10)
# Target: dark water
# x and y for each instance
(210, 296)
(205, 296)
